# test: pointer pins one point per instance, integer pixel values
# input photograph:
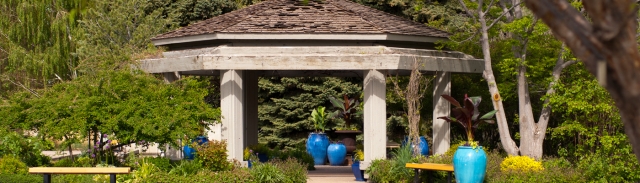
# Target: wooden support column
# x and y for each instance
(251, 108)
(173, 153)
(232, 107)
(441, 107)
(375, 117)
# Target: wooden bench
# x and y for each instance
(47, 171)
(429, 167)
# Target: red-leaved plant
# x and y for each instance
(468, 115)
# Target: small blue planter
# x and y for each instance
(317, 144)
(263, 158)
(469, 165)
(336, 152)
(424, 146)
(190, 152)
(359, 174)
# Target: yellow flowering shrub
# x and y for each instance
(521, 164)
(454, 147)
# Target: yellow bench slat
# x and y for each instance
(431, 166)
(80, 170)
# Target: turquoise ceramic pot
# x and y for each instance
(469, 165)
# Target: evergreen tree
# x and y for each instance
(286, 105)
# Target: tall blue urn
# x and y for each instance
(423, 146)
(337, 152)
(469, 165)
(317, 144)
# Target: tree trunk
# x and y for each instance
(606, 45)
(505, 137)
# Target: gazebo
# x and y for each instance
(292, 38)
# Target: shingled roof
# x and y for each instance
(314, 17)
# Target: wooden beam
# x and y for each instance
(311, 62)
(80, 170)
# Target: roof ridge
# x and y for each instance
(357, 14)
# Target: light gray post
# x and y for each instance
(441, 107)
(173, 153)
(232, 106)
(251, 108)
(375, 116)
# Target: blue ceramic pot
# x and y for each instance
(359, 174)
(249, 163)
(263, 158)
(424, 146)
(201, 140)
(469, 165)
(317, 144)
(189, 153)
(336, 153)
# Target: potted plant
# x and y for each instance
(318, 142)
(423, 145)
(470, 160)
(358, 156)
(261, 151)
(347, 110)
(188, 149)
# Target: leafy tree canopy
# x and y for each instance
(134, 106)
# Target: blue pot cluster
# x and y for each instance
(189, 152)
(423, 146)
(319, 148)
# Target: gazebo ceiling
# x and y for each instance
(315, 20)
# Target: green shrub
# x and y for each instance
(267, 173)
(164, 164)
(186, 167)
(213, 155)
(145, 170)
(292, 169)
(554, 170)
(71, 178)
(82, 162)
(300, 155)
(240, 175)
(613, 161)
(64, 162)
(13, 165)
(393, 170)
(380, 171)
(453, 148)
(20, 178)
(520, 164)
(28, 149)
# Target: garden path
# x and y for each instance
(331, 174)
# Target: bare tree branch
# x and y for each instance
(503, 13)
(464, 6)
